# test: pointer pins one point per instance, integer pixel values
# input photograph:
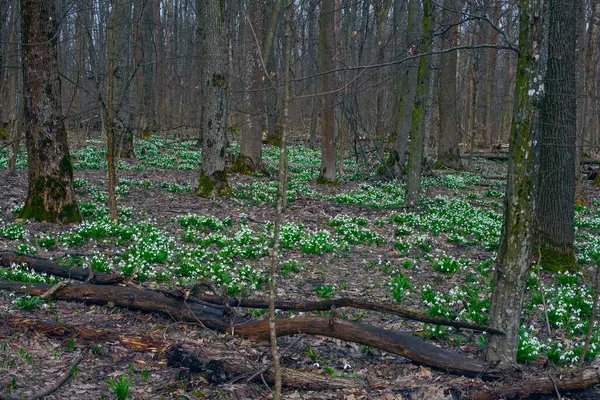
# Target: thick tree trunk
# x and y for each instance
(448, 150)
(328, 174)
(512, 265)
(213, 177)
(50, 194)
(417, 131)
(556, 186)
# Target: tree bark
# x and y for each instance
(417, 132)
(213, 177)
(249, 159)
(407, 89)
(328, 174)
(512, 264)
(50, 194)
(448, 149)
(556, 186)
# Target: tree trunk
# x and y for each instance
(382, 9)
(145, 66)
(448, 150)
(556, 186)
(417, 132)
(590, 128)
(408, 85)
(328, 174)
(213, 177)
(273, 131)
(250, 157)
(50, 194)
(512, 265)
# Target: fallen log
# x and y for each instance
(40, 265)
(49, 267)
(542, 384)
(400, 343)
(126, 297)
(324, 305)
(222, 366)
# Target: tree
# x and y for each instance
(417, 131)
(556, 187)
(145, 73)
(250, 157)
(50, 194)
(448, 150)
(406, 89)
(122, 73)
(213, 177)
(513, 261)
(327, 55)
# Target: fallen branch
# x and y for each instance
(542, 384)
(325, 305)
(61, 381)
(400, 343)
(125, 297)
(40, 265)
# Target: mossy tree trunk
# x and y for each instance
(512, 264)
(249, 159)
(50, 194)
(213, 176)
(417, 131)
(448, 150)
(328, 174)
(556, 187)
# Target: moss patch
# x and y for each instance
(323, 181)
(215, 185)
(47, 201)
(554, 260)
(245, 166)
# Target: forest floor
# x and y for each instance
(352, 239)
